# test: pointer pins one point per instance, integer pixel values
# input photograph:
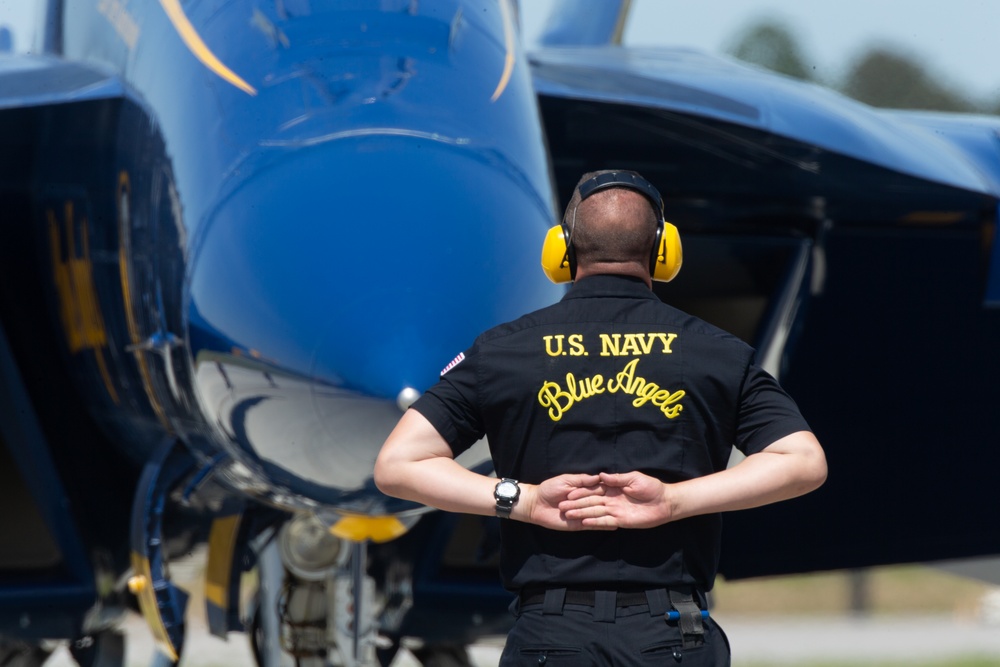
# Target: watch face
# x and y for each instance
(506, 489)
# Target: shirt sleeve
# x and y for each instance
(766, 413)
(452, 406)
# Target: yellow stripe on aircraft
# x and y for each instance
(623, 12)
(124, 193)
(358, 528)
(79, 307)
(508, 65)
(141, 585)
(221, 546)
(933, 217)
(198, 47)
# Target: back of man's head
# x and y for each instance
(615, 225)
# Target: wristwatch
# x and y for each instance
(506, 493)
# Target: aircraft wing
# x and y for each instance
(710, 89)
(33, 81)
(853, 247)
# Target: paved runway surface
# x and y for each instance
(769, 640)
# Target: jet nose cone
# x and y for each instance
(361, 266)
(367, 262)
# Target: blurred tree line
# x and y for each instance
(882, 76)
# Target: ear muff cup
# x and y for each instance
(555, 256)
(665, 261)
(668, 255)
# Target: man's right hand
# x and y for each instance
(540, 504)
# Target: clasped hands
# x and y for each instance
(600, 502)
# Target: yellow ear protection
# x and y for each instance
(559, 260)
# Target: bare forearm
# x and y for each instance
(417, 464)
(763, 478)
(440, 483)
(790, 467)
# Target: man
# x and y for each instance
(610, 418)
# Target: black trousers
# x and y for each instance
(576, 636)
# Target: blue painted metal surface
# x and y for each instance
(599, 24)
(26, 604)
(276, 217)
(308, 220)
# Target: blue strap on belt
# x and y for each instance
(689, 618)
(676, 615)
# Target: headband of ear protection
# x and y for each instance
(559, 259)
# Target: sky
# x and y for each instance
(18, 15)
(958, 40)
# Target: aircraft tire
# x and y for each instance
(386, 655)
(105, 649)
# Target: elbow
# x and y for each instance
(817, 477)
(383, 477)
(815, 470)
(806, 460)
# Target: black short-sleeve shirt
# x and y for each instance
(609, 379)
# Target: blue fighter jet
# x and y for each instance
(240, 237)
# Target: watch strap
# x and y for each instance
(504, 508)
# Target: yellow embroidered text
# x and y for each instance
(612, 345)
(621, 345)
(554, 345)
(559, 399)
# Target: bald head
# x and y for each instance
(613, 231)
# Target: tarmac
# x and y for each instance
(765, 640)
(758, 641)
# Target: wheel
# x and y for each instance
(105, 649)
(385, 655)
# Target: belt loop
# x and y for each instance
(658, 602)
(515, 607)
(605, 603)
(554, 599)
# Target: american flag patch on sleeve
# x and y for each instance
(454, 362)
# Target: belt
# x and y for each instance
(683, 606)
(587, 598)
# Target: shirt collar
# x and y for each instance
(610, 285)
